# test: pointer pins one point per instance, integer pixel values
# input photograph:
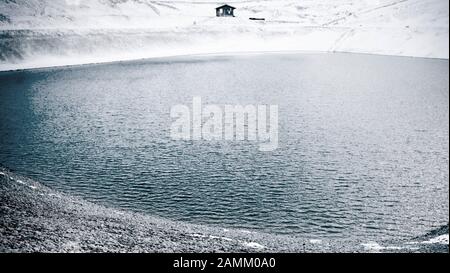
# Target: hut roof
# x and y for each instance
(225, 6)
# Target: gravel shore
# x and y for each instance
(34, 218)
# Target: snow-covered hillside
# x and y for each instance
(37, 33)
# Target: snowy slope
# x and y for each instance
(37, 33)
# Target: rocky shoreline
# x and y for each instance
(34, 218)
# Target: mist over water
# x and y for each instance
(363, 141)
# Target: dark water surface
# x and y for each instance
(363, 141)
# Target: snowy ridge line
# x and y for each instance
(43, 33)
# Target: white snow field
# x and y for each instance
(38, 33)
